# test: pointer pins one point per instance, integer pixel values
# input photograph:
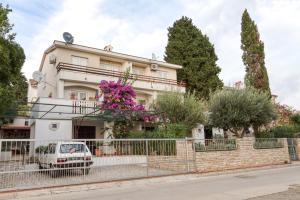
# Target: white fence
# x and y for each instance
(29, 164)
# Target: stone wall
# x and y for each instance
(182, 162)
(245, 156)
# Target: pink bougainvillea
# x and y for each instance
(118, 96)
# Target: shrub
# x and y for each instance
(41, 149)
(295, 119)
(284, 131)
(180, 109)
(268, 143)
(216, 145)
(239, 109)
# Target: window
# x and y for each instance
(81, 95)
(109, 65)
(51, 148)
(138, 70)
(142, 101)
(72, 148)
(76, 60)
(162, 74)
(78, 95)
(53, 126)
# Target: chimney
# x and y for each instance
(238, 85)
(108, 48)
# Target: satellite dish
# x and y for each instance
(68, 38)
(37, 76)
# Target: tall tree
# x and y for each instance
(13, 85)
(253, 56)
(187, 46)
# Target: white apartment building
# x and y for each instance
(68, 85)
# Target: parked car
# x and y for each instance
(66, 155)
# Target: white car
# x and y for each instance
(66, 155)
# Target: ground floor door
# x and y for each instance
(87, 133)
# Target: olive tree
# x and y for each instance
(236, 110)
(180, 108)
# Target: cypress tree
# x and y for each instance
(253, 55)
(187, 46)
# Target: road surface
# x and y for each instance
(235, 186)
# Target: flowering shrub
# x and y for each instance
(119, 96)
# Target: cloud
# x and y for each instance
(140, 28)
(279, 29)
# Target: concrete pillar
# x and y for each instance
(60, 89)
(298, 147)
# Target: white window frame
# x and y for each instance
(138, 71)
(107, 65)
(162, 74)
(77, 60)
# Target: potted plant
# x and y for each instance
(98, 150)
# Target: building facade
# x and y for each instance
(69, 75)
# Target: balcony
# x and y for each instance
(54, 108)
(97, 71)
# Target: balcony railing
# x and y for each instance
(84, 107)
(93, 70)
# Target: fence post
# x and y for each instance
(147, 157)
(194, 154)
(187, 156)
(84, 160)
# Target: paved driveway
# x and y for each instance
(224, 187)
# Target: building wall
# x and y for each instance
(32, 93)
(42, 130)
(54, 82)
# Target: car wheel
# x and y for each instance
(85, 171)
(53, 172)
(40, 166)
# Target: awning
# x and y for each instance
(14, 127)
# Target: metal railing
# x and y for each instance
(215, 145)
(84, 107)
(30, 163)
(112, 73)
(268, 143)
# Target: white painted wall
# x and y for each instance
(44, 132)
(198, 133)
(31, 93)
(217, 132)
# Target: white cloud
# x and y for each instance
(278, 25)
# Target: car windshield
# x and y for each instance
(72, 148)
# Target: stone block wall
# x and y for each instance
(245, 156)
(182, 162)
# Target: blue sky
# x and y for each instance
(140, 28)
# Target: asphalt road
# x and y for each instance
(224, 187)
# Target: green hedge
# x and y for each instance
(216, 145)
(268, 143)
(284, 131)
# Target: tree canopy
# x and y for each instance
(13, 85)
(187, 46)
(180, 109)
(253, 56)
(237, 110)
